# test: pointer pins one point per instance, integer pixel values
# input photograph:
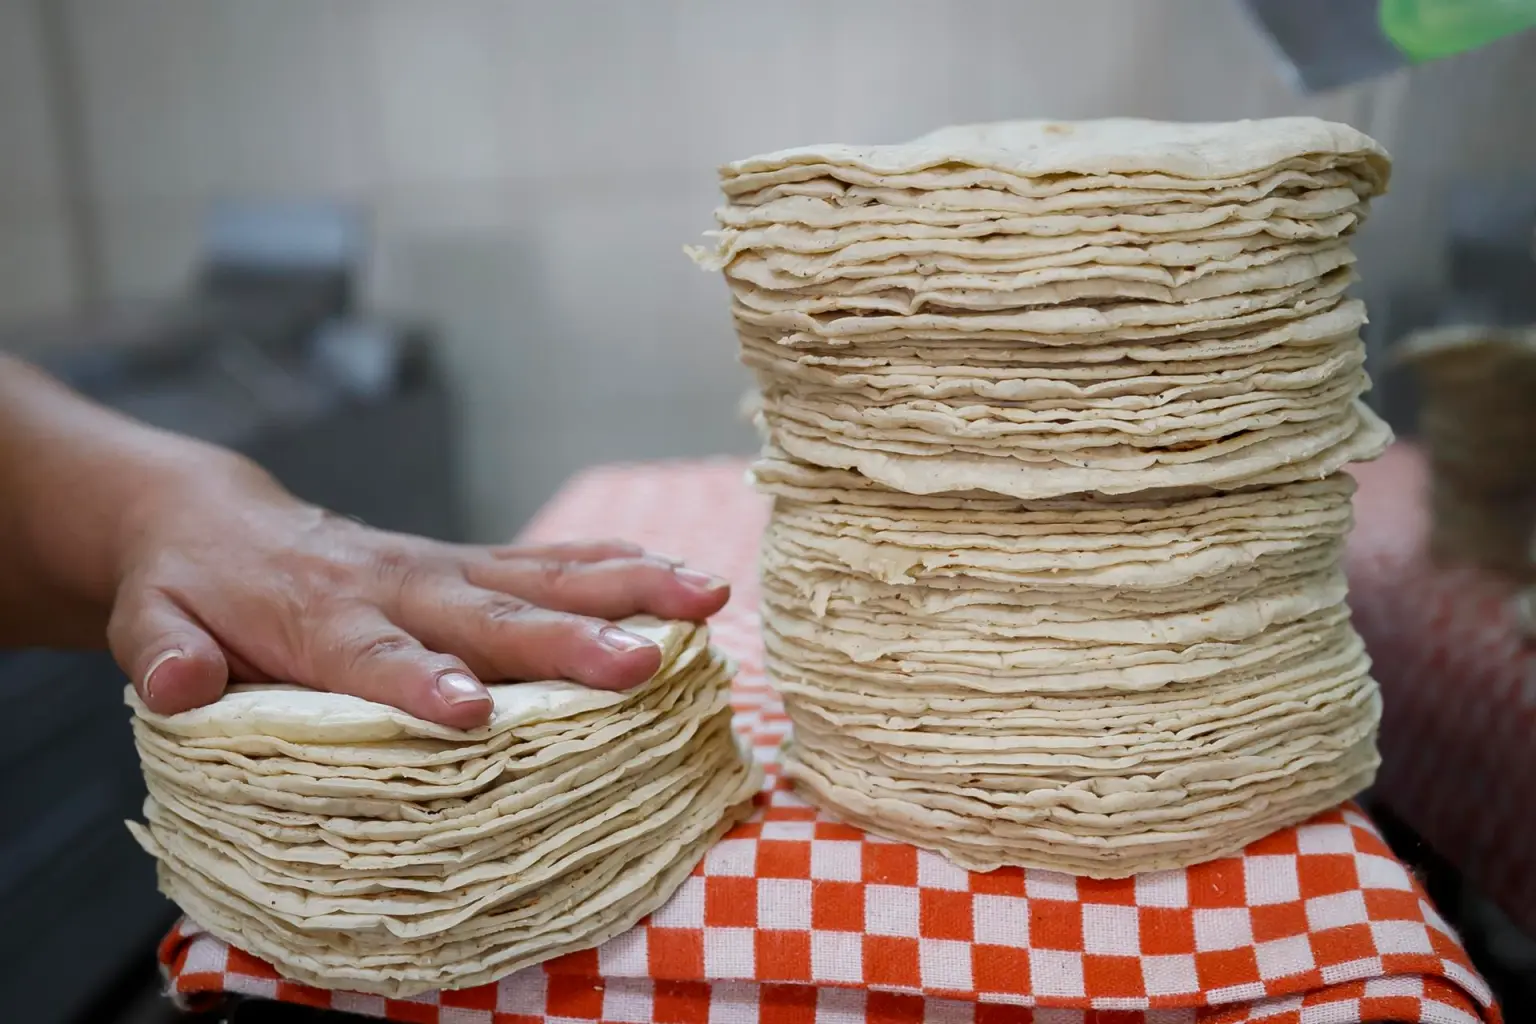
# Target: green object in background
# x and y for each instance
(1430, 29)
(1329, 43)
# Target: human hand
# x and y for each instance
(236, 579)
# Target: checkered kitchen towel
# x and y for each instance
(795, 917)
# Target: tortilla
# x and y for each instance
(354, 846)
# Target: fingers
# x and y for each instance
(574, 551)
(359, 651)
(173, 662)
(321, 611)
(611, 589)
(504, 638)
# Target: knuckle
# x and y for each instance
(304, 618)
(504, 611)
(552, 574)
(578, 631)
(133, 610)
(657, 565)
(163, 574)
(369, 650)
(395, 565)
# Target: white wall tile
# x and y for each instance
(193, 98)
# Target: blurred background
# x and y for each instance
(526, 174)
(424, 260)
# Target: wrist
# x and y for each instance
(86, 495)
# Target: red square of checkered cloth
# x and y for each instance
(1458, 680)
(794, 917)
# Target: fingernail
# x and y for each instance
(458, 688)
(699, 580)
(671, 560)
(621, 640)
(160, 661)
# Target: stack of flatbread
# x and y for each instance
(356, 847)
(1477, 418)
(1055, 416)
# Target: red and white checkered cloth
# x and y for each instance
(797, 918)
(1458, 679)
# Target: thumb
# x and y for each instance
(173, 662)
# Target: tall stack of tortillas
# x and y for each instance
(1055, 418)
(355, 847)
(1477, 420)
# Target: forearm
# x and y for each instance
(76, 483)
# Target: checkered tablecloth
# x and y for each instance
(1459, 683)
(797, 918)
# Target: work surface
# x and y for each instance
(795, 917)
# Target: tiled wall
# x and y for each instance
(535, 167)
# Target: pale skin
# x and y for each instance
(196, 568)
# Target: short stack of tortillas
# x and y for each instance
(356, 847)
(1055, 418)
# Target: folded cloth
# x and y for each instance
(795, 916)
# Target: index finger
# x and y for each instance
(571, 551)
